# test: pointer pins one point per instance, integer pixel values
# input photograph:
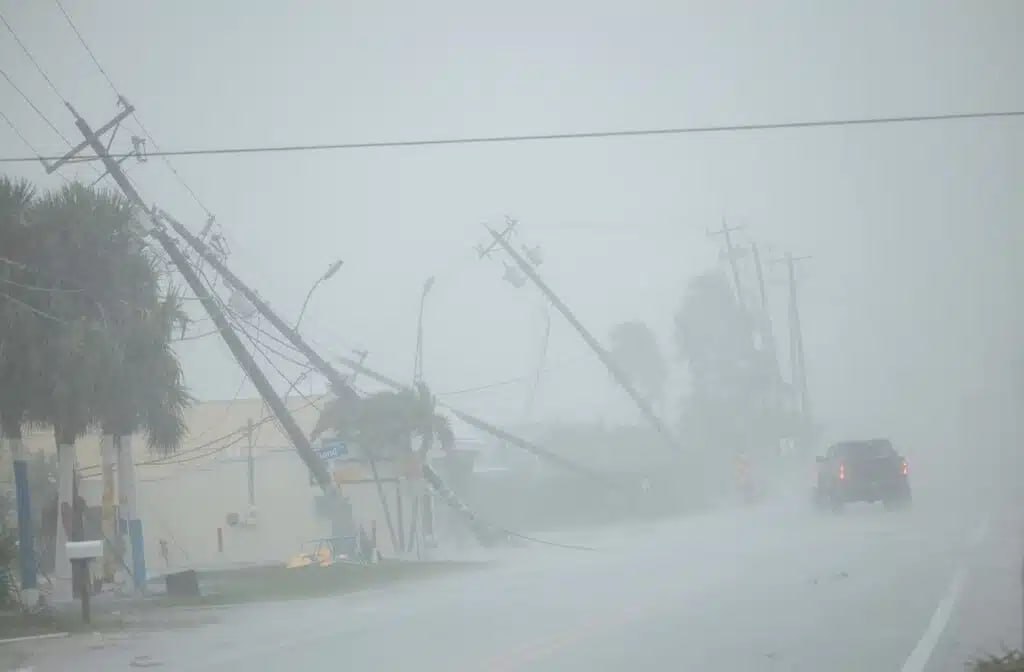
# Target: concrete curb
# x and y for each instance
(29, 638)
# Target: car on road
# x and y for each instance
(862, 471)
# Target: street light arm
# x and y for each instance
(328, 274)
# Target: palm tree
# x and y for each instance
(383, 425)
(143, 389)
(108, 361)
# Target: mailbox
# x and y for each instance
(85, 550)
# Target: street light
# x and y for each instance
(331, 270)
(417, 373)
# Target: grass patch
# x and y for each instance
(18, 624)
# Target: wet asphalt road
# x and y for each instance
(774, 588)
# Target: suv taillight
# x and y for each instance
(905, 469)
(842, 471)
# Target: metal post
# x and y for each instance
(81, 566)
(400, 518)
(26, 554)
(251, 467)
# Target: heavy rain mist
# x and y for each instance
(567, 336)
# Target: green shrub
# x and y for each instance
(8, 553)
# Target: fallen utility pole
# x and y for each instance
(339, 384)
(620, 377)
(213, 309)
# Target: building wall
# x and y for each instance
(184, 498)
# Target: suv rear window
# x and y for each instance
(864, 449)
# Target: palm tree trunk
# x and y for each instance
(129, 507)
(107, 458)
(26, 544)
(65, 513)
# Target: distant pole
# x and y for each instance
(760, 277)
(797, 363)
(417, 374)
(768, 332)
(801, 369)
(251, 466)
(621, 378)
(730, 252)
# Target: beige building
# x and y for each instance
(197, 500)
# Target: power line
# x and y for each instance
(18, 133)
(135, 116)
(586, 135)
(173, 459)
(32, 58)
(489, 386)
(87, 49)
(37, 110)
(28, 144)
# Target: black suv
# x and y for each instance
(862, 471)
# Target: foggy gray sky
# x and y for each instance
(909, 303)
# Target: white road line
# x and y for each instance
(919, 657)
(923, 651)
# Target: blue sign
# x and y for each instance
(331, 449)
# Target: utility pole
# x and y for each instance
(338, 383)
(768, 330)
(417, 373)
(213, 309)
(613, 368)
(730, 251)
(760, 279)
(797, 363)
(251, 466)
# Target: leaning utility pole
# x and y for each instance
(767, 329)
(613, 368)
(730, 252)
(339, 384)
(209, 302)
(797, 363)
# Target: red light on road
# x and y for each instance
(906, 468)
(842, 471)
